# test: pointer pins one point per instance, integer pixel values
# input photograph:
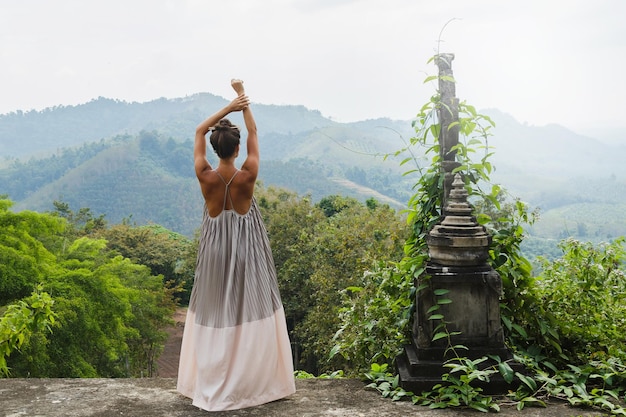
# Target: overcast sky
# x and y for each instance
(542, 61)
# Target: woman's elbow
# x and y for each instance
(201, 131)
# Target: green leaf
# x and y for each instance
(482, 218)
(506, 371)
(568, 392)
(528, 381)
(520, 330)
(433, 309)
(453, 124)
(440, 335)
(506, 321)
(479, 406)
(334, 351)
(550, 366)
(530, 401)
(458, 347)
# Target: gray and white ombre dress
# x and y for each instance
(235, 351)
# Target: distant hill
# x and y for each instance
(149, 179)
(133, 160)
(552, 151)
(40, 132)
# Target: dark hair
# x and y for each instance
(225, 138)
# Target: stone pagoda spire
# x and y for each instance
(458, 240)
(458, 249)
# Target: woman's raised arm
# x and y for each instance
(251, 164)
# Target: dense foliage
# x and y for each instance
(95, 313)
(166, 253)
(585, 291)
(320, 250)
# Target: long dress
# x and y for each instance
(235, 351)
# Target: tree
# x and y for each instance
(164, 252)
(83, 222)
(585, 291)
(291, 222)
(343, 247)
(334, 204)
(109, 313)
(319, 250)
(24, 259)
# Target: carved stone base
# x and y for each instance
(419, 375)
(471, 313)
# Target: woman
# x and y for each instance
(235, 351)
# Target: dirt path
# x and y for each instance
(167, 364)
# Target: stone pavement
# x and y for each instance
(157, 397)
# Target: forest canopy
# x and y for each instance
(106, 313)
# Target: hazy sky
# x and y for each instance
(542, 61)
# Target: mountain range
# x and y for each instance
(134, 161)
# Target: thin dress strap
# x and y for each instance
(226, 191)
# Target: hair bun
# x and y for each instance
(224, 124)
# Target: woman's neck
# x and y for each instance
(226, 163)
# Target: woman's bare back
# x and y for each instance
(227, 191)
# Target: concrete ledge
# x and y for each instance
(157, 397)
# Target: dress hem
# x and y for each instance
(250, 402)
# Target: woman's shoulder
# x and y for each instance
(245, 176)
(209, 176)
